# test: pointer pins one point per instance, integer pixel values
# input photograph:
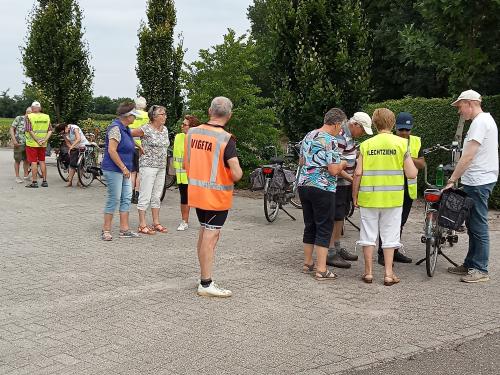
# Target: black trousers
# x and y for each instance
(407, 203)
(318, 208)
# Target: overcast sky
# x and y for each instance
(111, 32)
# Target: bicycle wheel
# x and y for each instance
(271, 208)
(432, 245)
(169, 182)
(85, 162)
(63, 169)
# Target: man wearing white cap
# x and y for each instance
(37, 130)
(478, 169)
(359, 125)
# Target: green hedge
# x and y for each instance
(436, 122)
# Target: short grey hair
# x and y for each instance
(140, 102)
(334, 116)
(28, 110)
(221, 107)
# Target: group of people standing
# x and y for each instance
(381, 179)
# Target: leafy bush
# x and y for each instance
(4, 132)
(436, 122)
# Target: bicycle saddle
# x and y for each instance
(279, 161)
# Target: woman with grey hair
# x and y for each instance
(116, 166)
(152, 163)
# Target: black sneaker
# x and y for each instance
(34, 184)
(401, 258)
(335, 260)
(347, 255)
(45, 184)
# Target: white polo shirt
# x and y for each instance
(484, 167)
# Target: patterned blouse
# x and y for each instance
(155, 144)
(318, 150)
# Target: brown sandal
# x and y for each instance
(308, 268)
(391, 280)
(367, 278)
(323, 276)
(145, 230)
(160, 228)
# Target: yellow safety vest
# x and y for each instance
(382, 182)
(414, 143)
(40, 126)
(178, 162)
(139, 121)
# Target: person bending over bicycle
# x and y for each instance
(74, 140)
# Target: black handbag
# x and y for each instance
(454, 208)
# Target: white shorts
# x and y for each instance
(383, 221)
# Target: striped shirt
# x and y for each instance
(348, 151)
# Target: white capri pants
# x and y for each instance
(152, 181)
(383, 221)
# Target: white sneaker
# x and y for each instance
(19, 180)
(213, 291)
(183, 225)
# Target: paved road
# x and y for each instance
(480, 356)
(72, 304)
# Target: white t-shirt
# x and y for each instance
(484, 167)
(73, 129)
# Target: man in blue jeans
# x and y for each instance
(478, 169)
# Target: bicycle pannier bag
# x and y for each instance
(170, 166)
(454, 208)
(279, 180)
(289, 176)
(257, 180)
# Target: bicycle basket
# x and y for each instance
(257, 180)
(454, 208)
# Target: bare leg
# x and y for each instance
(308, 253)
(155, 212)
(388, 258)
(34, 171)
(206, 253)
(16, 168)
(124, 221)
(108, 218)
(44, 170)
(321, 254)
(368, 254)
(185, 212)
(70, 176)
(26, 167)
(142, 218)
(133, 178)
(337, 232)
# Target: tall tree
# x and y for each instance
(319, 58)
(159, 61)
(394, 75)
(225, 70)
(460, 39)
(56, 59)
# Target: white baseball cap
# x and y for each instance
(364, 120)
(36, 104)
(468, 95)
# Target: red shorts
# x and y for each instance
(35, 154)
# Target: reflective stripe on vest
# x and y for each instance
(414, 144)
(210, 181)
(382, 181)
(178, 159)
(39, 125)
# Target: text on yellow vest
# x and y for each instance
(39, 125)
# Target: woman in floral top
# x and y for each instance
(152, 164)
(317, 184)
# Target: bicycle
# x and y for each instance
(434, 235)
(293, 155)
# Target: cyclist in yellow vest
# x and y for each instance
(178, 164)
(140, 120)
(404, 126)
(378, 189)
(37, 130)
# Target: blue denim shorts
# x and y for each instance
(119, 192)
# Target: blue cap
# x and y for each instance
(404, 121)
